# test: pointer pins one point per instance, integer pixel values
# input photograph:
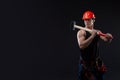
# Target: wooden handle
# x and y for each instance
(80, 27)
(99, 33)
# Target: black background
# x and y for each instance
(37, 42)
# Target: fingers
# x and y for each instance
(94, 33)
(109, 36)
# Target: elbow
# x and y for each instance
(81, 47)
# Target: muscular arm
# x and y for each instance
(82, 42)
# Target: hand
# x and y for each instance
(94, 33)
(109, 37)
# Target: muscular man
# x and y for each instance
(88, 44)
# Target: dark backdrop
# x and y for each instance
(38, 43)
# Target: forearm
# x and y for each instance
(86, 42)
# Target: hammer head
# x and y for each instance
(72, 25)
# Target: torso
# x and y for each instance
(91, 52)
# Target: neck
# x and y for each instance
(89, 27)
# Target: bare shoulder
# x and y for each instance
(81, 32)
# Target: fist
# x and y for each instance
(94, 32)
(109, 36)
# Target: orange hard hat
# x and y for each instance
(88, 15)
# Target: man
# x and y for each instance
(91, 66)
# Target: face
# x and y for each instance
(89, 22)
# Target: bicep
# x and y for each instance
(80, 37)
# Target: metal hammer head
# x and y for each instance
(74, 23)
